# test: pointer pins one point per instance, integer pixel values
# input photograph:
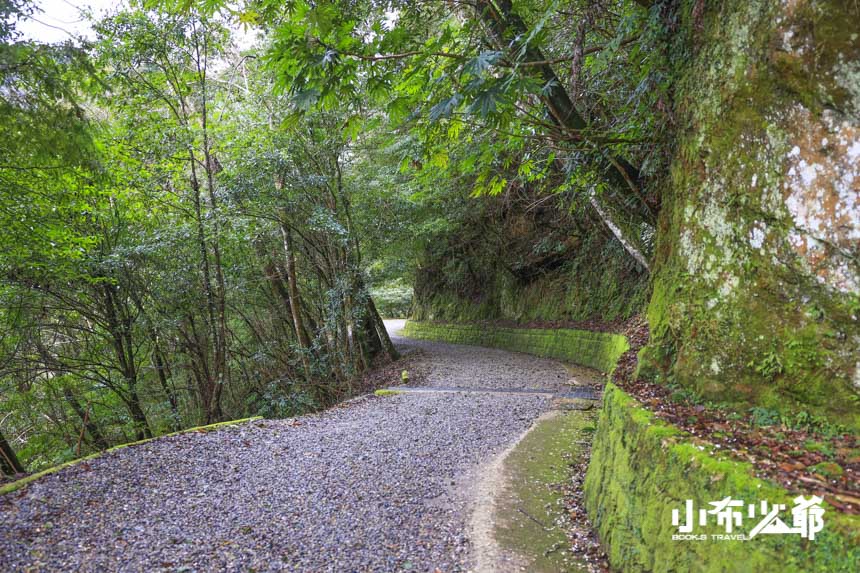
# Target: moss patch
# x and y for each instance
(530, 513)
(599, 350)
(828, 469)
(642, 468)
(386, 392)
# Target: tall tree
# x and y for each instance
(163, 61)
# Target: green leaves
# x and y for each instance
(445, 108)
(481, 63)
(49, 171)
(306, 99)
(485, 103)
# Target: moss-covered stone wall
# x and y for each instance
(756, 282)
(599, 350)
(642, 468)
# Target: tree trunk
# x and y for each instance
(613, 222)
(211, 408)
(159, 359)
(381, 332)
(369, 339)
(9, 463)
(295, 301)
(278, 282)
(119, 326)
(141, 425)
(89, 425)
(197, 345)
(161, 368)
(220, 331)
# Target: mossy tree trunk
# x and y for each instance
(9, 463)
(755, 274)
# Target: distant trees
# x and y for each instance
(165, 89)
(298, 192)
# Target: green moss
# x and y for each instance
(738, 322)
(642, 468)
(820, 447)
(386, 392)
(597, 350)
(828, 469)
(528, 511)
(21, 483)
(472, 284)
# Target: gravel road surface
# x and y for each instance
(455, 365)
(378, 484)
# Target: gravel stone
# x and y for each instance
(478, 367)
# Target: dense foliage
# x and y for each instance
(176, 251)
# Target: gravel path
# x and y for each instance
(477, 367)
(378, 484)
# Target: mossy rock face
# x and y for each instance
(528, 269)
(598, 350)
(642, 468)
(756, 288)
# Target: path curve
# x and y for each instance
(381, 483)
